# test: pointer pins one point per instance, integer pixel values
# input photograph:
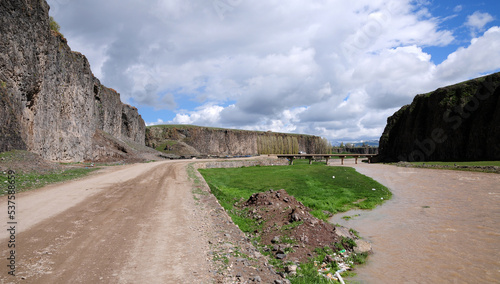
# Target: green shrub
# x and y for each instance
(54, 26)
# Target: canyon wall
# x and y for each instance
(195, 140)
(51, 103)
(454, 123)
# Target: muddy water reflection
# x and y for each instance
(440, 227)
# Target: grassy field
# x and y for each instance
(313, 185)
(27, 181)
(319, 187)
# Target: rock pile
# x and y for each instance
(289, 232)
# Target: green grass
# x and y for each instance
(27, 181)
(189, 126)
(313, 185)
(164, 145)
(196, 190)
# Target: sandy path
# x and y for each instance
(134, 224)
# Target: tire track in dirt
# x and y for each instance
(130, 232)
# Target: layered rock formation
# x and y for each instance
(454, 123)
(194, 140)
(51, 103)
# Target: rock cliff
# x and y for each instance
(51, 103)
(195, 140)
(454, 123)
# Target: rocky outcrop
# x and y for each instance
(454, 123)
(195, 140)
(51, 103)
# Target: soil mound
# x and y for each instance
(288, 230)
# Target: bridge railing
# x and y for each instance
(292, 157)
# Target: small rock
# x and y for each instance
(257, 254)
(362, 246)
(295, 217)
(276, 239)
(280, 250)
(292, 269)
(280, 255)
(257, 279)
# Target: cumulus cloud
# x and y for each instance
(205, 115)
(331, 68)
(477, 21)
(481, 56)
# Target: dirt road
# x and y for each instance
(132, 224)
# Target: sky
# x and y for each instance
(332, 68)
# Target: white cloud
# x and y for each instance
(333, 68)
(481, 56)
(477, 21)
(205, 115)
(159, 121)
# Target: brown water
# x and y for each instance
(439, 227)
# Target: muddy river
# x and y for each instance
(440, 227)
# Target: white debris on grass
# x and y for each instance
(342, 263)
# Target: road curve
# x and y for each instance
(131, 224)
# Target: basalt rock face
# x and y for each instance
(51, 103)
(195, 140)
(454, 123)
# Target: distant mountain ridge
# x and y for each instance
(369, 143)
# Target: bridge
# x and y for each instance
(292, 157)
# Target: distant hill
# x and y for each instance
(454, 123)
(369, 143)
(191, 140)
